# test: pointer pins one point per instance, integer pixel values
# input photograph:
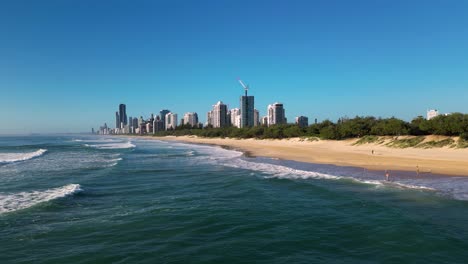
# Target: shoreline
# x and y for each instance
(440, 161)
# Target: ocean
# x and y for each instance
(90, 199)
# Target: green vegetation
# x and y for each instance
(406, 142)
(462, 143)
(369, 129)
(369, 139)
(437, 144)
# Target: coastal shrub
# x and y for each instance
(437, 144)
(464, 136)
(368, 140)
(462, 144)
(406, 142)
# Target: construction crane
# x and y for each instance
(246, 87)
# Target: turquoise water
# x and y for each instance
(83, 199)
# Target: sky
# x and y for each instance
(66, 65)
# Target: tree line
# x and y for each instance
(455, 124)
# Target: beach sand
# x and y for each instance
(448, 161)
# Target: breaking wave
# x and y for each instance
(23, 200)
(124, 145)
(234, 159)
(15, 157)
(283, 172)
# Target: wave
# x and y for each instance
(14, 157)
(124, 145)
(95, 140)
(230, 158)
(282, 172)
(23, 200)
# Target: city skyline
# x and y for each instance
(65, 64)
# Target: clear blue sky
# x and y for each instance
(66, 65)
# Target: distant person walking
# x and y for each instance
(387, 175)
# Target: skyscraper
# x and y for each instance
(117, 120)
(171, 121)
(219, 114)
(235, 117)
(123, 115)
(209, 118)
(162, 115)
(256, 118)
(276, 114)
(158, 125)
(135, 123)
(247, 110)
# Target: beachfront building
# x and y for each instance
(162, 115)
(256, 117)
(276, 115)
(235, 115)
(149, 127)
(247, 110)
(264, 121)
(135, 123)
(171, 121)
(431, 114)
(191, 118)
(117, 120)
(158, 125)
(302, 121)
(219, 115)
(209, 118)
(122, 115)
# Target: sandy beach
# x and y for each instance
(448, 161)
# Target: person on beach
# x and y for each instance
(417, 170)
(387, 175)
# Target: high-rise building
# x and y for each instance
(117, 120)
(209, 118)
(256, 117)
(191, 118)
(140, 121)
(302, 121)
(235, 117)
(149, 127)
(171, 121)
(276, 114)
(247, 110)
(123, 115)
(264, 121)
(162, 115)
(158, 125)
(135, 123)
(219, 115)
(431, 114)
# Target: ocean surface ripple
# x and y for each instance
(94, 199)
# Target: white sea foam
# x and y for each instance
(23, 200)
(14, 157)
(106, 140)
(123, 145)
(282, 172)
(232, 158)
